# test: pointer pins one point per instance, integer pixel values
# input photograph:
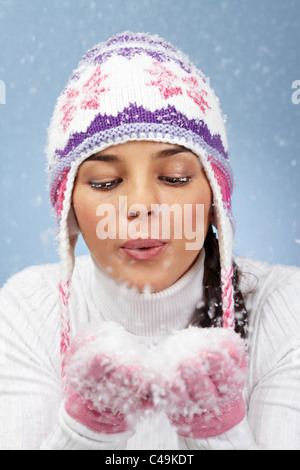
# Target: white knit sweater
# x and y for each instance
(31, 412)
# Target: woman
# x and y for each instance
(160, 338)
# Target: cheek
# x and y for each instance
(85, 209)
(97, 220)
(199, 205)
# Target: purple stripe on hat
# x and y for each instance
(138, 130)
(140, 37)
(95, 56)
(139, 115)
(128, 39)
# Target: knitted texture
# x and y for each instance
(137, 87)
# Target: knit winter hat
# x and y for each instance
(137, 86)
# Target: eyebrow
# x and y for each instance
(103, 158)
(162, 154)
(171, 151)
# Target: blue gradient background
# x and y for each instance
(250, 49)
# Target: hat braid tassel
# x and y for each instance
(65, 327)
(227, 298)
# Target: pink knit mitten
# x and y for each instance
(203, 394)
(106, 388)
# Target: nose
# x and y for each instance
(141, 197)
(140, 212)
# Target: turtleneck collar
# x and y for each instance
(149, 314)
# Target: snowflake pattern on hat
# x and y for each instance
(165, 80)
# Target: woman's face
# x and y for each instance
(143, 209)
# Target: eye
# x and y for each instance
(105, 185)
(175, 181)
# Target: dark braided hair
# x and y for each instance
(210, 315)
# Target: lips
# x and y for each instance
(143, 249)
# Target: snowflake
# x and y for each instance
(69, 108)
(166, 81)
(196, 94)
(92, 90)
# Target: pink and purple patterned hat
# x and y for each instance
(137, 86)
